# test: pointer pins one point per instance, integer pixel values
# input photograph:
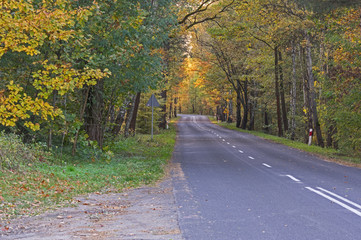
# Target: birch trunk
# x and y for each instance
(311, 84)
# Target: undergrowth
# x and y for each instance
(33, 180)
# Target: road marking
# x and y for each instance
(224, 140)
(240, 151)
(293, 178)
(250, 157)
(266, 165)
(234, 146)
(228, 143)
(339, 197)
(335, 201)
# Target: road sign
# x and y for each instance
(152, 102)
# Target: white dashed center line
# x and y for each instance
(293, 178)
(240, 151)
(266, 165)
(234, 146)
(250, 157)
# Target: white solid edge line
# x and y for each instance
(240, 151)
(293, 178)
(250, 157)
(335, 201)
(266, 165)
(339, 197)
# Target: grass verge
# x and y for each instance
(41, 186)
(325, 153)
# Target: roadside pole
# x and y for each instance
(310, 137)
(152, 122)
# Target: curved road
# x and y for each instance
(232, 185)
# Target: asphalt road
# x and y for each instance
(231, 185)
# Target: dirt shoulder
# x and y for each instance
(142, 213)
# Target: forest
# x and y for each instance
(76, 74)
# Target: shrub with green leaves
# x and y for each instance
(15, 155)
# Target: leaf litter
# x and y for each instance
(144, 213)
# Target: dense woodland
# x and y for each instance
(76, 73)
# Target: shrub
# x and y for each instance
(15, 155)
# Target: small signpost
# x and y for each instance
(152, 102)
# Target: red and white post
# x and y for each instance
(310, 137)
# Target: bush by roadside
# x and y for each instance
(33, 180)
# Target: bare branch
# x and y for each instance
(212, 18)
(198, 10)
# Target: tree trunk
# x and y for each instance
(282, 94)
(330, 142)
(293, 93)
(50, 134)
(306, 95)
(163, 120)
(277, 92)
(266, 121)
(82, 111)
(129, 117)
(230, 106)
(170, 108)
(118, 122)
(175, 107)
(252, 106)
(133, 122)
(245, 105)
(238, 106)
(251, 117)
(94, 114)
(311, 83)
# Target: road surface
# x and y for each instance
(232, 185)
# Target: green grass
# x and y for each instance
(39, 186)
(326, 153)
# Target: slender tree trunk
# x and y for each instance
(251, 116)
(277, 92)
(82, 111)
(245, 105)
(293, 93)
(163, 120)
(120, 119)
(94, 114)
(163, 94)
(129, 117)
(306, 95)
(282, 93)
(266, 121)
(230, 106)
(50, 134)
(133, 122)
(171, 108)
(252, 106)
(175, 107)
(311, 83)
(238, 106)
(330, 136)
